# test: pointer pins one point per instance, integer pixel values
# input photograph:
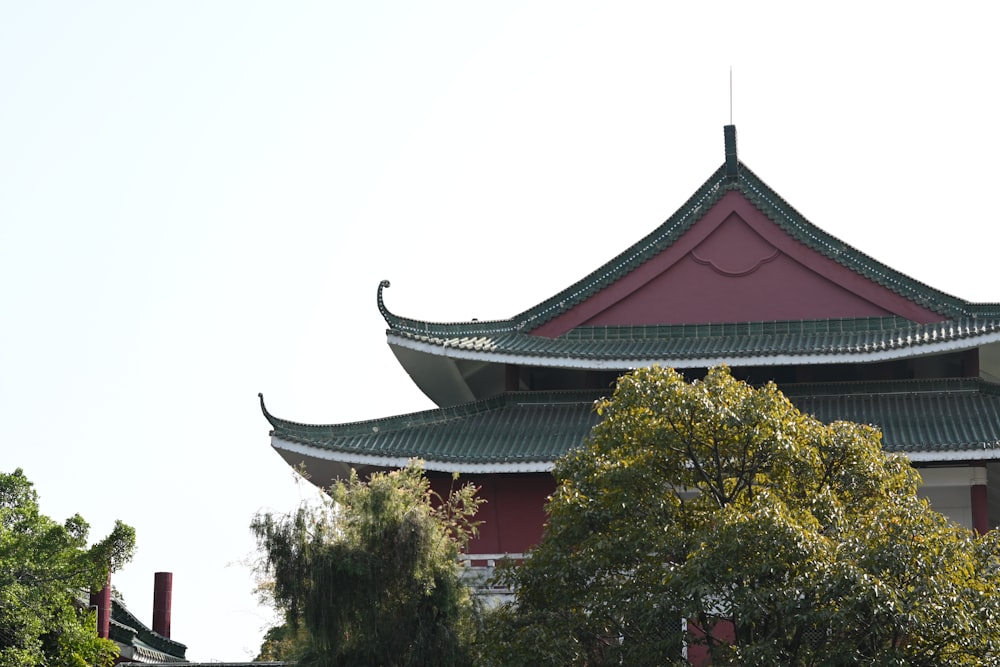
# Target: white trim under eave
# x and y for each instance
(865, 356)
(990, 453)
(401, 461)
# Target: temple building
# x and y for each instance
(735, 276)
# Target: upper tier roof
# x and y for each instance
(763, 198)
(735, 276)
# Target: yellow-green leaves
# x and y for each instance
(781, 539)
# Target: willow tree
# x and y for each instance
(46, 571)
(371, 575)
(712, 518)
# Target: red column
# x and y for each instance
(980, 501)
(162, 596)
(102, 601)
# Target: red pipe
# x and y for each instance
(102, 601)
(163, 584)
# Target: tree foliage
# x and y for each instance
(282, 642)
(714, 517)
(371, 577)
(46, 569)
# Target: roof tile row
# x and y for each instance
(668, 343)
(916, 416)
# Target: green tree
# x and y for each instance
(46, 570)
(777, 539)
(371, 577)
(282, 642)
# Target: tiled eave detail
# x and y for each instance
(698, 346)
(359, 460)
(930, 421)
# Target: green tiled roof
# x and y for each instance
(511, 428)
(932, 416)
(671, 343)
(950, 418)
(514, 334)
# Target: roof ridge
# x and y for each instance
(632, 257)
(844, 253)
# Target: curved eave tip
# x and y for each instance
(263, 408)
(386, 315)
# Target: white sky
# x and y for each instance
(198, 200)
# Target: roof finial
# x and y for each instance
(732, 163)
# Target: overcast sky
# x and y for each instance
(198, 200)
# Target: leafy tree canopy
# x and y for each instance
(714, 518)
(46, 568)
(371, 577)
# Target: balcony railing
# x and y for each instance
(477, 571)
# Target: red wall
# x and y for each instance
(514, 512)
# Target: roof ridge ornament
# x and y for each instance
(732, 163)
(381, 303)
(267, 415)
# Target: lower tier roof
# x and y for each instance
(930, 421)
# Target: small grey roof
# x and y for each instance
(126, 628)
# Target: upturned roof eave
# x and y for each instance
(619, 266)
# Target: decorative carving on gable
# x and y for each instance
(734, 250)
(735, 265)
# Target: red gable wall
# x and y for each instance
(736, 265)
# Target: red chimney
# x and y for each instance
(163, 584)
(101, 600)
